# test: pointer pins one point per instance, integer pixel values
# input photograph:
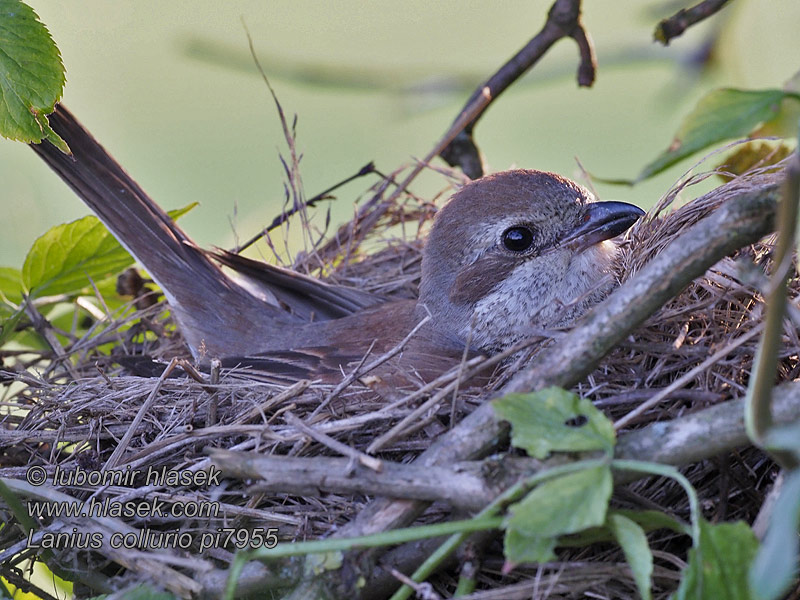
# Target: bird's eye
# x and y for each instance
(518, 239)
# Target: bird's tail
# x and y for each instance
(216, 315)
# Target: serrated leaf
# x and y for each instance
(633, 542)
(62, 260)
(718, 568)
(563, 505)
(521, 548)
(31, 74)
(555, 420)
(775, 565)
(719, 115)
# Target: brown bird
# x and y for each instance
(507, 254)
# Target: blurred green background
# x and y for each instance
(170, 89)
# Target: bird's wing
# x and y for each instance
(306, 297)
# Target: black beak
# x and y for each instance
(602, 221)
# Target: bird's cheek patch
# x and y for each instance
(478, 279)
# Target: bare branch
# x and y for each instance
(563, 20)
(673, 27)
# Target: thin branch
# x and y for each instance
(45, 329)
(310, 203)
(134, 426)
(468, 485)
(471, 485)
(674, 26)
(687, 377)
(563, 20)
(704, 433)
(370, 462)
(371, 212)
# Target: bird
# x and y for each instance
(508, 253)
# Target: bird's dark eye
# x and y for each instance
(518, 239)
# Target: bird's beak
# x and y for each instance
(601, 221)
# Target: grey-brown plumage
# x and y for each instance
(508, 253)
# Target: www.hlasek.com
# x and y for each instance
(150, 507)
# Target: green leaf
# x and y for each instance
(62, 260)
(11, 310)
(31, 75)
(651, 520)
(775, 565)
(10, 285)
(564, 504)
(555, 420)
(521, 548)
(177, 213)
(718, 568)
(8, 323)
(784, 438)
(648, 520)
(318, 563)
(720, 115)
(633, 541)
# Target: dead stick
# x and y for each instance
(670, 28)
(368, 461)
(126, 439)
(563, 20)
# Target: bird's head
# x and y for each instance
(515, 251)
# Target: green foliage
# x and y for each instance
(775, 565)
(577, 503)
(720, 115)
(521, 548)
(31, 75)
(557, 507)
(65, 262)
(718, 567)
(10, 301)
(633, 542)
(564, 504)
(654, 519)
(63, 259)
(10, 285)
(555, 420)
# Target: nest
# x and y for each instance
(93, 415)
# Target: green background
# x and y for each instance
(199, 125)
